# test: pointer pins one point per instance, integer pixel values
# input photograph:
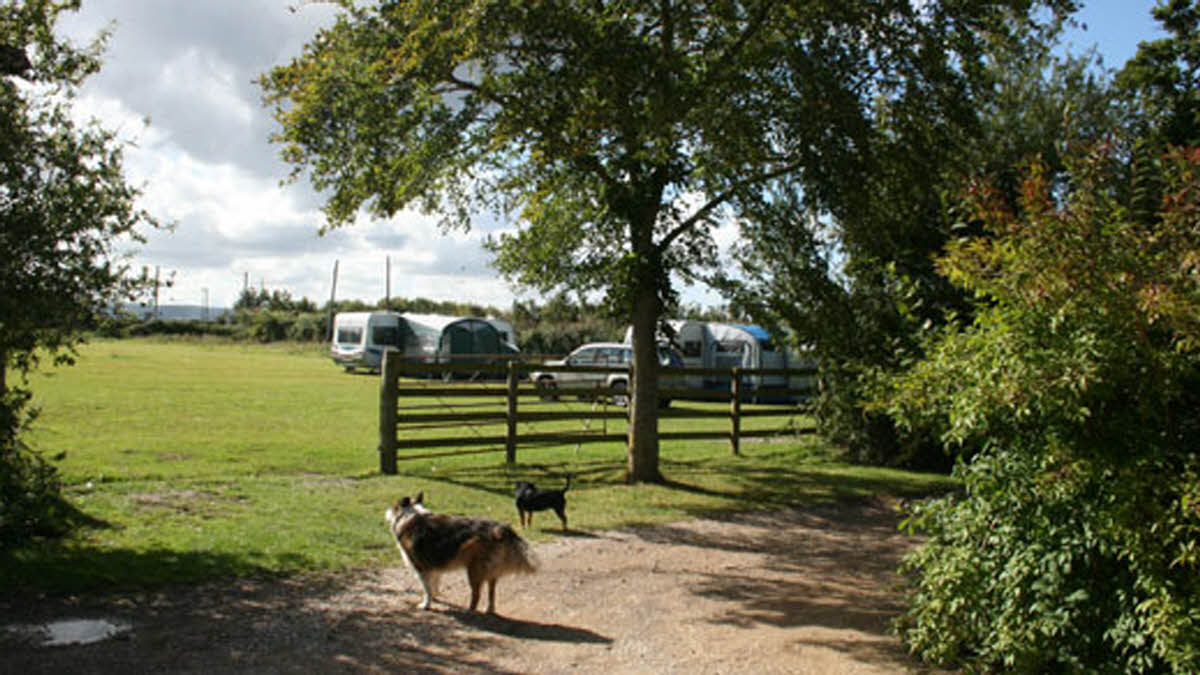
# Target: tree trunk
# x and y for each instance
(642, 450)
(8, 426)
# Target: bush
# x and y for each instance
(1077, 543)
(31, 502)
(189, 328)
(268, 326)
(307, 328)
(1036, 569)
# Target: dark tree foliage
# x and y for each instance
(847, 265)
(64, 207)
(1077, 543)
(1075, 546)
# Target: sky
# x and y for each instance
(179, 84)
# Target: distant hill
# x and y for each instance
(179, 312)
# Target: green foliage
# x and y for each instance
(1025, 572)
(66, 203)
(31, 501)
(277, 300)
(562, 324)
(1078, 377)
(844, 259)
(194, 328)
(64, 208)
(1046, 565)
(1162, 81)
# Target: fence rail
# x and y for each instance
(419, 396)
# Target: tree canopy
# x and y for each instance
(615, 135)
(65, 204)
(847, 265)
(65, 212)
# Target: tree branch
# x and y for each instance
(720, 199)
(727, 57)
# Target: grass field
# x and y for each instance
(198, 460)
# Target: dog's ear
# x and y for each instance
(404, 502)
(420, 498)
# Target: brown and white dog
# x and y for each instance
(434, 543)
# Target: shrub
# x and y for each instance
(1077, 543)
(31, 501)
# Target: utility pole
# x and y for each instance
(332, 298)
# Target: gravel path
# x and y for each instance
(798, 591)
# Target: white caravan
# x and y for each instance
(706, 344)
(359, 338)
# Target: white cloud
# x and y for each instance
(207, 83)
(205, 162)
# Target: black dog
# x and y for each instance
(530, 499)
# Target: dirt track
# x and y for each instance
(804, 591)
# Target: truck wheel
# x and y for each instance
(546, 385)
(619, 396)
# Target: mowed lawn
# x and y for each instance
(194, 460)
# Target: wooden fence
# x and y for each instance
(416, 396)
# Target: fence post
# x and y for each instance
(735, 411)
(388, 402)
(510, 443)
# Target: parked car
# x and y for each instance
(602, 354)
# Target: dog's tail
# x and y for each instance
(518, 555)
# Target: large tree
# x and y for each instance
(68, 214)
(1162, 80)
(848, 266)
(618, 133)
(65, 212)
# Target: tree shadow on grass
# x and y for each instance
(766, 482)
(499, 479)
(59, 567)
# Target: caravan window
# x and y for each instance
(350, 335)
(386, 335)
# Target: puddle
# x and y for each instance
(68, 632)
